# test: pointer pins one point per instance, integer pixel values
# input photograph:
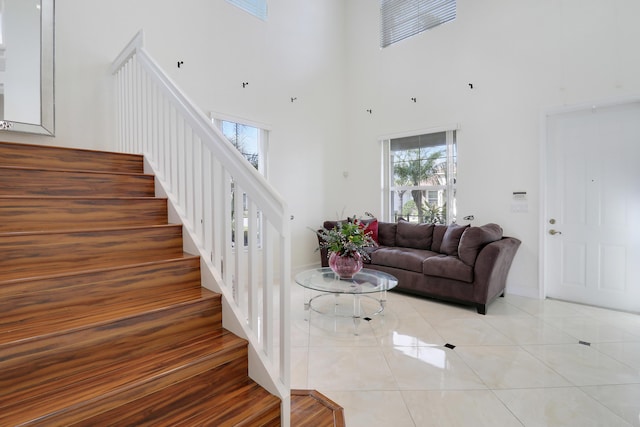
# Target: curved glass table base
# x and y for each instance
(363, 283)
(358, 310)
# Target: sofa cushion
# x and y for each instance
(474, 238)
(403, 258)
(438, 234)
(416, 236)
(330, 225)
(449, 267)
(387, 233)
(451, 239)
(369, 250)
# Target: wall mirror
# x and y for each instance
(27, 66)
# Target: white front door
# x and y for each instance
(592, 224)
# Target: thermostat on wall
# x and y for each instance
(519, 202)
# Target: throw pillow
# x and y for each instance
(412, 235)
(387, 233)
(474, 239)
(371, 227)
(438, 234)
(451, 239)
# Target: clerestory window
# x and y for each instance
(257, 8)
(400, 19)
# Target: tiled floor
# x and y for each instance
(520, 365)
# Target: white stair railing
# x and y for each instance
(231, 215)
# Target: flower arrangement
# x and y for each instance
(347, 238)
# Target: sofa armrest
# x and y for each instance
(492, 267)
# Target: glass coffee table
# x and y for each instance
(362, 285)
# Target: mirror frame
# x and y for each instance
(47, 54)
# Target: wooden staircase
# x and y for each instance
(103, 320)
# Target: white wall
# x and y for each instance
(297, 53)
(522, 58)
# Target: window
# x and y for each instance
(257, 8)
(245, 138)
(400, 19)
(420, 177)
(251, 141)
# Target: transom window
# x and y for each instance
(420, 177)
(400, 19)
(257, 8)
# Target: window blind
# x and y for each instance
(419, 141)
(255, 7)
(400, 19)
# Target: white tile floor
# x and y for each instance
(520, 365)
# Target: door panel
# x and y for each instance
(593, 194)
(574, 265)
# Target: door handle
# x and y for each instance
(554, 232)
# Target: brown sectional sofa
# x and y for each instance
(456, 263)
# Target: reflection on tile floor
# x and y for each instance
(520, 365)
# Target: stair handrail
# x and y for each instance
(155, 118)
(236, 163)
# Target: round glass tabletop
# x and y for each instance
(364, 282)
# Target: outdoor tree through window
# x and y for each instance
(245, 139)
(421, 172)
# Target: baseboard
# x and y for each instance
(523, 292)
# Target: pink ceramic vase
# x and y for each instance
(345, 266)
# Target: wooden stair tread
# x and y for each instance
(136, 375)
(18, 154)
(232, 411)
(185, 319)
(152, 407)
(64, 197)
(94, 296)
(39, 359)
(202, 400)
(39, 182)
(80, 277)
(20, 326)
(88, 172)
(68, 213)
(61, 251)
